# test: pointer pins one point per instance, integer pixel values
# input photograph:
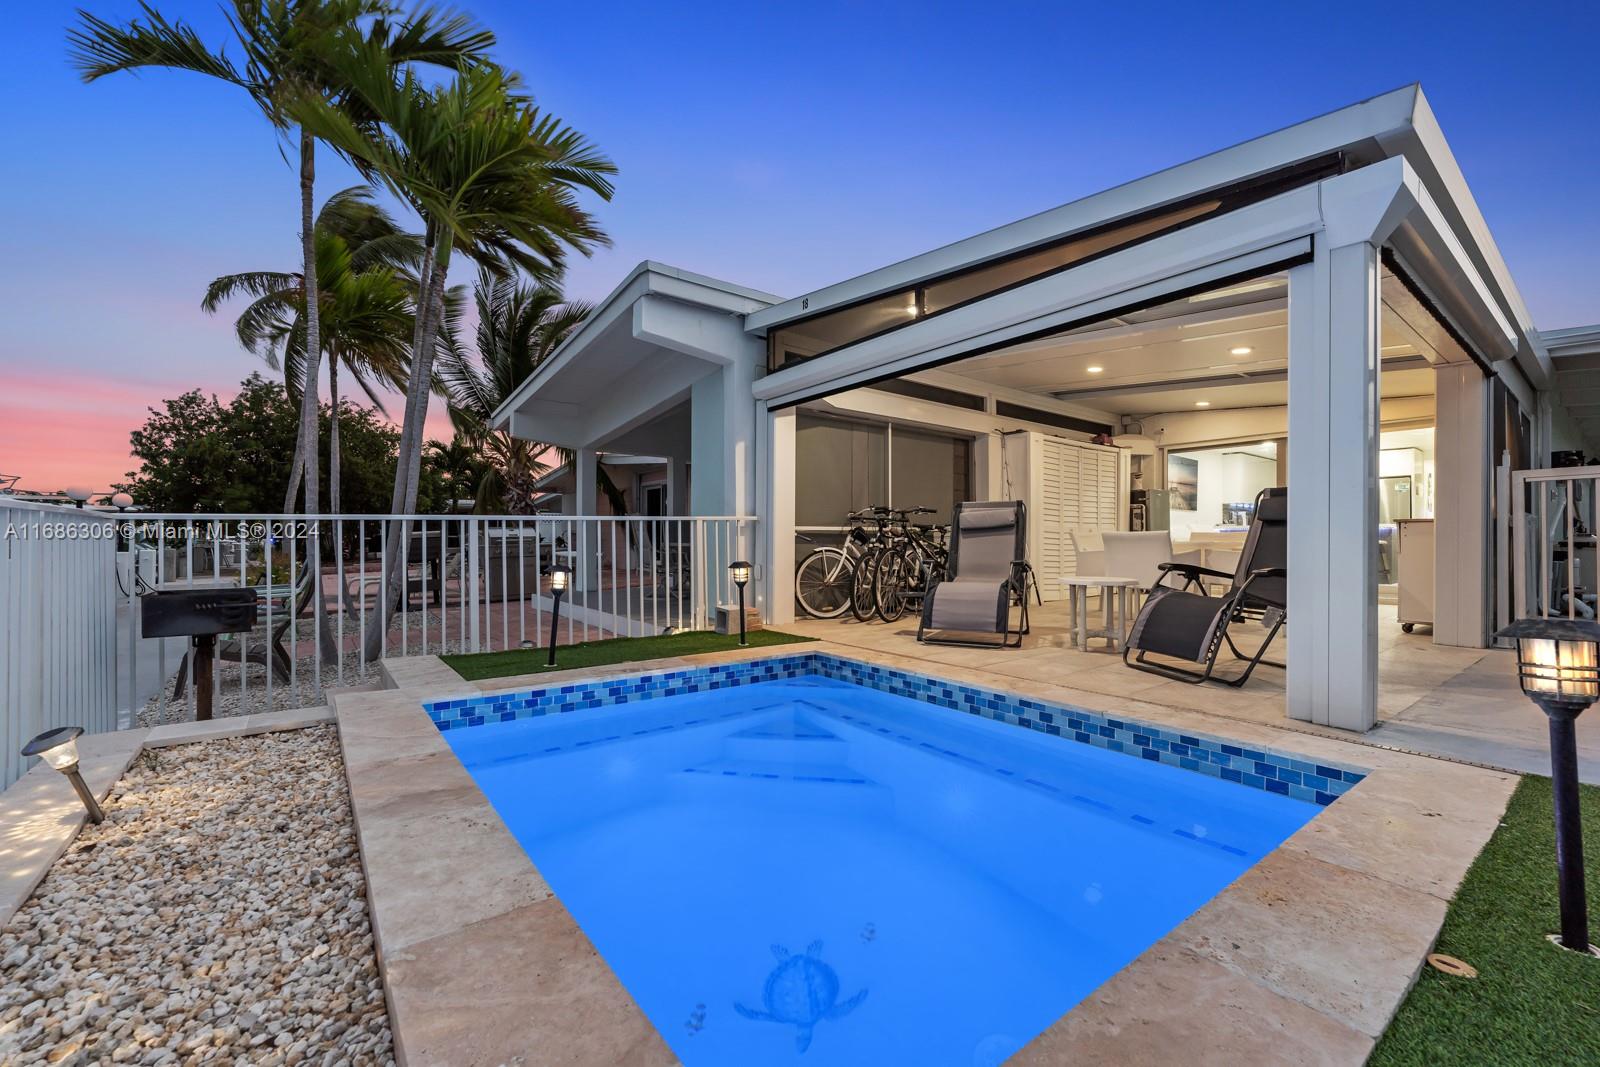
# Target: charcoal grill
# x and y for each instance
(200, 613)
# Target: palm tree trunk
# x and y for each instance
(334, 506)
(307, 444)
(408, 457)
(308, 394)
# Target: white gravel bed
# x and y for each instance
(218, 915)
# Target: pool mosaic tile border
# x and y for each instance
(1276, 772)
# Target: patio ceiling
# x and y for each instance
(1226, 348)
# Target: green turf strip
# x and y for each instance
(616, 650)
(1531, 1003)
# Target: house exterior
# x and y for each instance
(1322, 307)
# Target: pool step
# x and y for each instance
(784, 783)
(784, 770)
(760, 744)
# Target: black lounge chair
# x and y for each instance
(986, 576)
(1180, 623)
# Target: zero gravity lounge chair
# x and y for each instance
(986, 575)
(1182, 623)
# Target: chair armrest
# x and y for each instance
(1193, 570)
(1269, 572)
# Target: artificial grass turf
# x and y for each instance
(1532, 1003)
(615, 650)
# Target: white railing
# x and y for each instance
(460, 584)
(58, 625)
(1553, 530)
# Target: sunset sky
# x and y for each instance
(779, 146)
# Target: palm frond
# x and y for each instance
(98, 47)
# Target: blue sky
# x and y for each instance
(781, 146)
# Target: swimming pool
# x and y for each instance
(801, 861)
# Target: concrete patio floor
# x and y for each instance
(1457, 703)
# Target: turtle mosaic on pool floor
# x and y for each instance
(801, 991)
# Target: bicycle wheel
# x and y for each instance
(823, 583)
(862, 603)
(889, 585)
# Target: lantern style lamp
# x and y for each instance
(59, 748)
(121, 501)
(559, 577)
(1558, 663)
(79, 496)
(739, 570)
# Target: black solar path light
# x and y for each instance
(1558, 663)
(558, 588)
(740, 571)
(59, 748)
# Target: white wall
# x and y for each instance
(1225, 477)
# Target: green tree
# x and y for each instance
(289, 50)
(519, 327)
(365, 292)
(199, 454)
(489, 175)
(460, 467)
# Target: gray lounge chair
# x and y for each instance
(1179, 623)
(986, 576)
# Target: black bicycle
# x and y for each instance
(911, 564)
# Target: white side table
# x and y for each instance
(1114, 594)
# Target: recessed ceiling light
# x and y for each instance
(1241, 350)
(1093, 370)
(1202, 403)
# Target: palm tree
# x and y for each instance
(519, 326)
(289, 51)
(489, 175)
(459, 465)
(365, 304)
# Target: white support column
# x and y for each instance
(677, 486)
(585, 477)
(776, 531)
(1334, 316)
(1461, 506)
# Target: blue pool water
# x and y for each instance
(809, 871)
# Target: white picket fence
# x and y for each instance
(58, 625)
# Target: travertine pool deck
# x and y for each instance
(1304, 959)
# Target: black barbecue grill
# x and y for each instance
(199, 613)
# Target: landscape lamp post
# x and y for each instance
(1558, 663)
(740, 570)
(59, 748)
(558, 588)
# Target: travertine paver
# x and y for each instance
(1172, 1007)
(481, 963)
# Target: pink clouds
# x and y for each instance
(58, 430)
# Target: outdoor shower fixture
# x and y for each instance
(59, 748)
(1558, 663)
(559, 577)
(739, 570)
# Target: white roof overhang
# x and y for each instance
(1396, 124)
(646, 344)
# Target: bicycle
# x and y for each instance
(911, 565)
(824, 581)
(863, 601)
